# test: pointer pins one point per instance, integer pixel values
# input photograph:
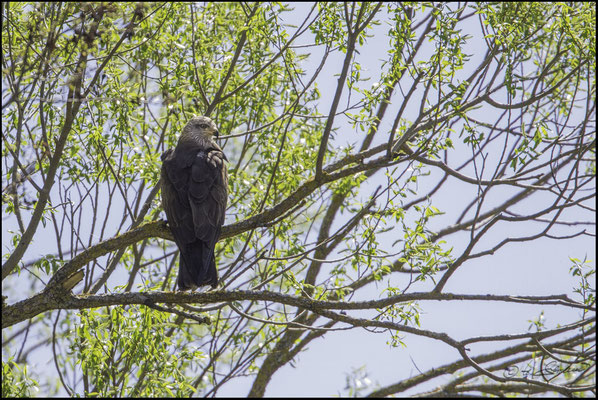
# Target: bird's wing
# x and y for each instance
(175, 178)
(208, 192)
(195, 193)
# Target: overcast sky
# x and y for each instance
(539, 267)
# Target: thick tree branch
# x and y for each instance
(57, 298)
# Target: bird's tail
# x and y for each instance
(197, 266)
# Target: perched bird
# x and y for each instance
(194, 197)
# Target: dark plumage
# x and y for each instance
(194, 197)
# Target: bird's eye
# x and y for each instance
(203, 126)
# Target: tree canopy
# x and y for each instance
(383, 157)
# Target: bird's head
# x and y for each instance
(201, 127)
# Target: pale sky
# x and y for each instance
(538, 267)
